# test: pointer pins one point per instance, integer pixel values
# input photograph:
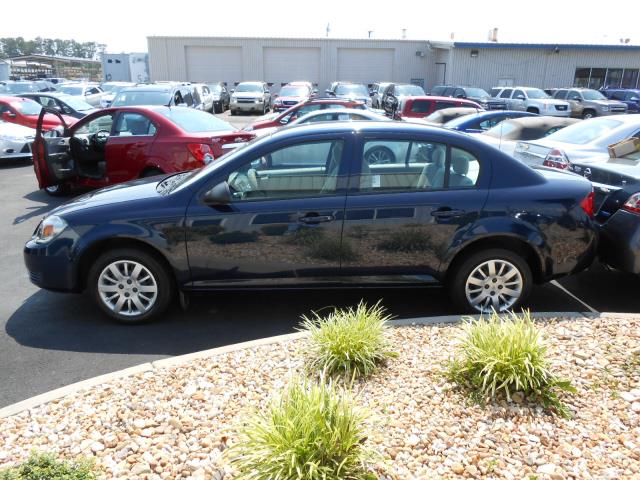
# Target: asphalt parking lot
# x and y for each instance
(49, 340)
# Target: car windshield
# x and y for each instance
(20, 87)
(585, 131)
(536, 93)
(502, 130)
(593, 95)
(294, 92)
(71, 90)
(214, 87)
(28, 107)
(133, 97)
(408, 90)
(249, 87)
(75, 103)
(352, 90)
(477, 93)
(195, 121)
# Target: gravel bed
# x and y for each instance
(174, 423)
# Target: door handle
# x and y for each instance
(447, 212)
(308, 219)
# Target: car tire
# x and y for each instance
(60, 190)
(152, 276)
(232, 111)
(587, 114)
(218, 108)
(379, 155)
(476, 290)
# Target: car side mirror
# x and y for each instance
(520, 97)
(314, 91)
(232, 90)
(218, 195)
(9, 115)
(634, 99)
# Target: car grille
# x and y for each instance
(618, 109)
(289, 103)
(496, 106)
(35, 277)
(561, 108)
(245, 100)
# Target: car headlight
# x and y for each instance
(49, 229)
(258, 100)
(604, 108)
(234, 99)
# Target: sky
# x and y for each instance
(124, 25)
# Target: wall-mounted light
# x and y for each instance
(474, 53)
(556, 50)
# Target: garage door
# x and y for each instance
(283, 65)
(214, 64)
(365, 65)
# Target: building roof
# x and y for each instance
(54, 58)
(566, 46)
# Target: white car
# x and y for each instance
(585, 139)
(15, 141)
(330, 115)
(111, 89)
(91, 92)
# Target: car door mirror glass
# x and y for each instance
(218, 195)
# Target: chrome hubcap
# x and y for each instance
(494, 285)
(127, 288)
(378, 156)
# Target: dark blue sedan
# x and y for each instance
(483, 121)
(314, 206)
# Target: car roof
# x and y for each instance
(151, 88)
(543, 121)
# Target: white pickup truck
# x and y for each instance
(532, 100)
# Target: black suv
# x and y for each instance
(478, 95)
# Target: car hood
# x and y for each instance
(296, 98)
(359, 98)
(247, 94)
(144, 188)
(609, 103)
(16, 131)
(549, 101)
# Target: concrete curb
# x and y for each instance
(58, 393)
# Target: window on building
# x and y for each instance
(597, 78)
(630, 78)
(581, 78)
(614, 77)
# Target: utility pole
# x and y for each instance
(370, 32)
(328, 29)
(404, 33)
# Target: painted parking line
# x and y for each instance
(589, 307)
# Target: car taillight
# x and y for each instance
(632, 204)
(587, 204)
(201, 152)
(556, 159)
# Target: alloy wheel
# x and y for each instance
(127, 288)
(494, 285)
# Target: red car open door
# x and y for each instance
(51, 153)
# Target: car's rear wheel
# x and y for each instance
(488, 280)
(130, 285)
(379, 155)
(218, 108)
(232, 111)
(587, 114)
(57, 190)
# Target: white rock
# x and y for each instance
(635, 406)
(548, 468)
(139, 423)
(413, 440)
(97, 447)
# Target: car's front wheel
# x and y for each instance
(57, 190)
(489, 280)
(130, 285)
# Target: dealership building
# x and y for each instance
(422, 62)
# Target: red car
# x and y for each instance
(25, 112)
(119, 144)
(302, 109)
(290, 95)
(420, 107)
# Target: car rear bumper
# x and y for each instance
(620, 242)
(50, 267)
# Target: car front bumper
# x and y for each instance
(50, 266)
(620, 242)
(247, 107)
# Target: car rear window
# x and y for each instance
(141, 98)
(195, 121)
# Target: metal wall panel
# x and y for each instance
(365, 64)
(213, 64)
(285, 64)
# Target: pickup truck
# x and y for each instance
(532, 100)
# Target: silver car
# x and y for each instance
(15, 141)
(206, 96)
(91, 92)
(587, 103)
(250, 97)
(110, 90)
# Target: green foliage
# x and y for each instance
(16, 46)
(306, 236)
(237, 236)
(311, 432)
(407, 241)
(274, 230)
(44, 466)
(349, 342)
(504, 355)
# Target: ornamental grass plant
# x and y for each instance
(45, 466)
